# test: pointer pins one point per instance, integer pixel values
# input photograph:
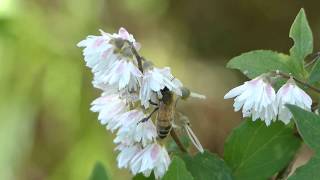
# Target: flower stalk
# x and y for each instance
(288, 76)
(136, 54)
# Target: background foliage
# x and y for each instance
(46, 128)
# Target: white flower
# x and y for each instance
(123, 33)
(290, 93)
(126, 154)
(257, 99)
(130, 95)
(109, 108)
(108, 65)
(122, 73)
(155, 80)
(131, 129)
(97, 51)
(153, 157)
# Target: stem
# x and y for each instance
(285, 172)
(314, 106)
(311, 62)
(177, 140)
(284, 75)
(138, 57)
(316, 57)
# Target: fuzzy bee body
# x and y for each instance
(165, 114)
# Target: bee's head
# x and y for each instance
(167, 96)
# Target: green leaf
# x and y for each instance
(99, 172)
(310, 171)
(301, 34)
(315, 73)
(173, 147)
(308, 125)
(177, 170)
(255, 151)
(204, 166)
(255, 63)
(142, 177)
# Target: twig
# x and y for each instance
(316, 57)
(177, 140)
(284, 75)
(138, 57)
(311, 62)
(314, 106)
(285, 172)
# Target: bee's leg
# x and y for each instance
(153, 103)
(148, 117)
(175, 105)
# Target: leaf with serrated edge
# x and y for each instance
(177, 170)
(142, 177)
(255, 151)
(99, 172)
(308, 125)
(315, 73)
(302, 36)
(255, 63)
(204, 166)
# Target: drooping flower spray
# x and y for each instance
(132, 91)
(258, 99)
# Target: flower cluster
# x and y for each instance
(131, 88)
(258, 99)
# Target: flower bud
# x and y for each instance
(185, 93)
(118, 42)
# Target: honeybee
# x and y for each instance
(167, 115)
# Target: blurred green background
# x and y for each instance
(46, 128)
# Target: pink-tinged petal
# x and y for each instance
(123, 33)
(137, 46)
(154, 152)
(83, 43)
(106, 53)
(235, 92)
(98, 42)
(270, 91)
(256, 81)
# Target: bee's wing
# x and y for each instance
(193, 138)
(182, 121)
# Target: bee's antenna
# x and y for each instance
(175, 104)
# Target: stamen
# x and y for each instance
(196, 95)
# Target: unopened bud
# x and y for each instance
(185, 93)
(118, 42)
(147, 64)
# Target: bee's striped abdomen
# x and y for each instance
(163, 131)
(164, 120)
(165, 114)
